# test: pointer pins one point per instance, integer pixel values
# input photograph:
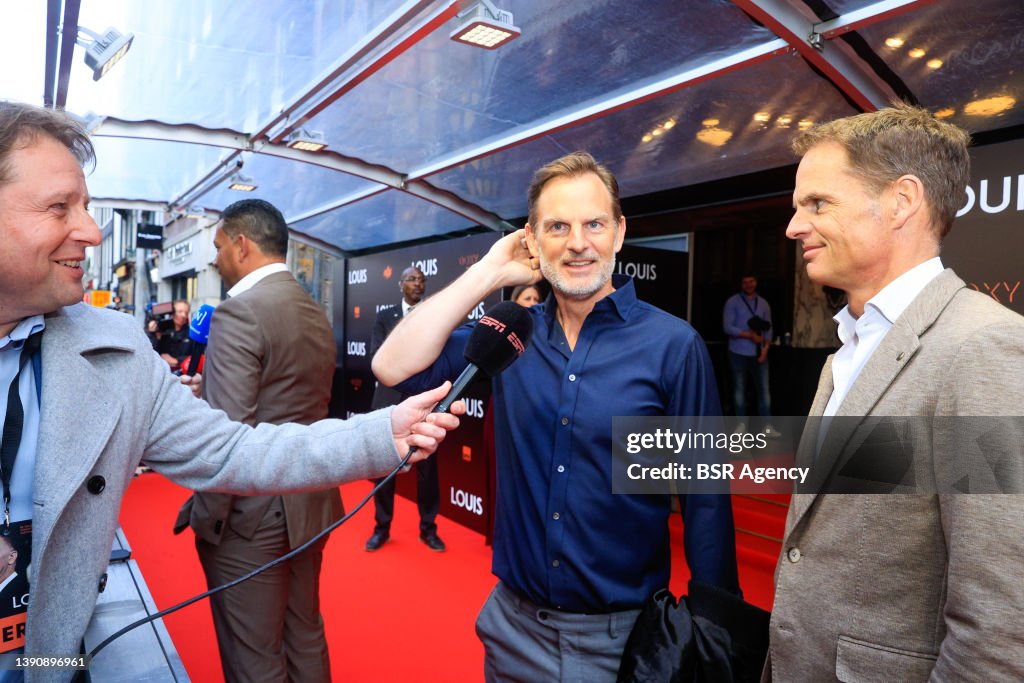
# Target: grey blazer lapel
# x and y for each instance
(809, 439)
(78, 413)
(881, 371)
(899, 346)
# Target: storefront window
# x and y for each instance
(312, 269)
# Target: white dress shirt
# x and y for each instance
(861, 336)
(250, 280)
(22, 478)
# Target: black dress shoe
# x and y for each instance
(378, 539)
(433, 542)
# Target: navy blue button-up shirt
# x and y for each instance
(561, 538)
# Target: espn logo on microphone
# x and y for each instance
(491, 322)
(516, 342)
(499, 326)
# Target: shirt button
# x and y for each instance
(572, 378)
(793, 554)
(565, 421)
(554, 564)
(96, 485)
(554, 516)
(561, 468)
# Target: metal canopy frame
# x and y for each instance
(848, 72)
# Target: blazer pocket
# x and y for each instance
(859, 660)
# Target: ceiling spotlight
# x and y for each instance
(934, 63)
(486, 26)
(307, 140)
(714, 136)
(990, 106)
(894, 42)
(242, 183)
(916, 53)
(103, 51)
(762, 116)
(647, 137)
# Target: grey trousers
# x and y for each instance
(525, 642)
(269, 629)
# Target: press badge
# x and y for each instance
(15, 557)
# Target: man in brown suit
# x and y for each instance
(897, 587)
(270, 359)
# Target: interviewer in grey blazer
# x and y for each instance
(96, 400)
(900, 587)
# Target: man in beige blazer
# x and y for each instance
(270, 359)
(901, 587)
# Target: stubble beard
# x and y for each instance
(583, 290)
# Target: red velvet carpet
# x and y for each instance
(403, 613)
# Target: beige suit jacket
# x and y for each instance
(911, 587)
(270, 359)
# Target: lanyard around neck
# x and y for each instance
(14, 423)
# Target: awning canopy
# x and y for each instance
(427, 136)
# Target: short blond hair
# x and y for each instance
(571, 166)
(903, 140)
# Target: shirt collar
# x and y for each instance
(620, 302)
(250, 280)
(894, 298)
(22, 331)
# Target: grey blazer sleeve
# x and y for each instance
(984, 534)
(200, 448)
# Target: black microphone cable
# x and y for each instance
(273, 563)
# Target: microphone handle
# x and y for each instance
(460, 384)
(197, 354)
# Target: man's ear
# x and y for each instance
(244, 246)
(531, 240)
(907, 198)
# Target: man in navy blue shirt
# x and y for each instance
(575, 562)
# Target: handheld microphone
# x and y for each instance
(497, 340)
(199, 333)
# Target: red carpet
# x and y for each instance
(403, 613)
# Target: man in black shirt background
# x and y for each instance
(175, 345)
